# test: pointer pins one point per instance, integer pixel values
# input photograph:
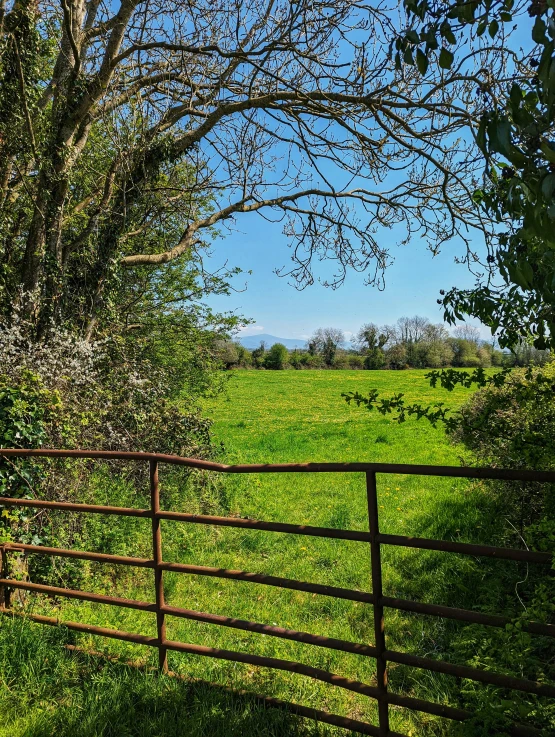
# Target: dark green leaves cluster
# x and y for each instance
(397, 405)
(516, 137)
(25, 412)
(438, 26)
(526, 387)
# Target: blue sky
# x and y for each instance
(412, 287)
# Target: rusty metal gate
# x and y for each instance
(373, 538)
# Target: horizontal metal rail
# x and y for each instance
(448, 546)
(283, 583)
(121, 560)
(39, 588)
(465, 615)
(256, 524)
(407, 702)
(439, 666)
(529, 556)
(374, 538)
(273, 631)
(490, 551)
(471, 674)
(467, 472)
(71, 507)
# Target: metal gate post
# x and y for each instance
(4, 590)
(158, 573)
(379, 630)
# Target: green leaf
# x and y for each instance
(421, 62)
(516, 94)
(407, 57)
(447, 33)
(500, 136)
(445, 58)
(538, 31)
(499, 132)
(413, 37)
(431, 41)
(528, 272)
(517, 276)
(481, 136)
(493, 28)
(548, 186)
(482, 25)
(548, 152)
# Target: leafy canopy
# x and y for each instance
(515, 292)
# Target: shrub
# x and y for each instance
(227, 353)
(355, 361)
(312, 361)
(65, 393)
(295, 359)
(374, 358)
(396, 356)
(28, 412)
(513, 426)
(340, 361)
(257, 355)
(276, 358)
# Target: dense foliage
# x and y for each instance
(508, 423)
(65, 392)
(513, 426)
(515, 288)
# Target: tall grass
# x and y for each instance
(48, 691)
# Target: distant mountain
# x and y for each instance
(253, 341)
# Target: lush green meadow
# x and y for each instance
(287, 416)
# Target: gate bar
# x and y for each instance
(379, 626)
(528, 556)
(39, 588)
(158, 571)
(122, 560)
(284, 583)
(467, 472)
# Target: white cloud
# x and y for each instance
(251, 330)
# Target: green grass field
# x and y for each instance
(273, 417)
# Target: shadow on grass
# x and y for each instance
(46, 691)
(474, 515)
(143, 707)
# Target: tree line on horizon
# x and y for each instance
(412, 342)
